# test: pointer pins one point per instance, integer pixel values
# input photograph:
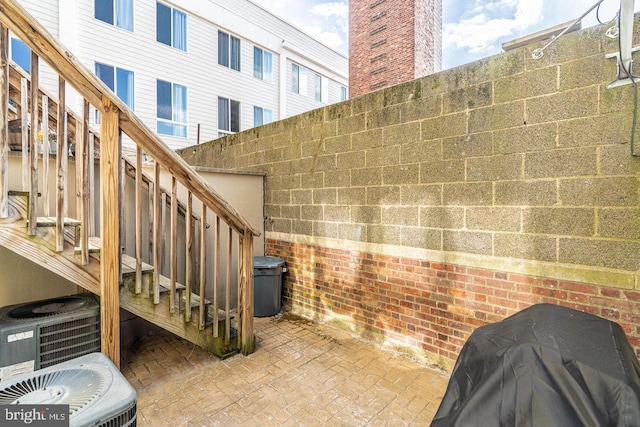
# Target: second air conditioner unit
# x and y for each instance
(40, 334)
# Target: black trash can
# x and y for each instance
(267, 272)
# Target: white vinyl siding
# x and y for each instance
(197, 68)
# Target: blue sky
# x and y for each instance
(471, 29)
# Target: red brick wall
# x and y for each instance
(381, 44)
(426, 305)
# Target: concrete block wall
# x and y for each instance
(416, 213)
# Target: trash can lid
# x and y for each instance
(267, 262)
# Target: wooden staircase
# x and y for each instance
(187, 242)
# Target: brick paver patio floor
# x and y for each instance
(302, 374)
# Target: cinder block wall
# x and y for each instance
(415, 214)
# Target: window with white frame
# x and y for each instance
(171, 100)
(119, 80)
(262, 116)
(115, 12)
(343, 93)
(228, 51)
(171, 26)
(228, 116)
(262, 64)
(21, 54)
(298, 79)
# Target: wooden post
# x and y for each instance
(245, 310)
(4, 118)
(110, 231)
(33, 154)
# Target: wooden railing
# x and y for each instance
(116, 119)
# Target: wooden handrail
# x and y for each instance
(91, 88)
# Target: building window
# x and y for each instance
(228, 116)
(262, 116)
(172, 109)
(171, 26)
(321, 88)
(343, 93)
(298, 79)
(115, 12)
(119, 81)
(228, 51)
(318, 88)
(21, 54)
(262, 64)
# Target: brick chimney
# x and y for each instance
(392, 41)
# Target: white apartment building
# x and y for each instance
(193, 70)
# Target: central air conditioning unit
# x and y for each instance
(96, 392)
(40, 334)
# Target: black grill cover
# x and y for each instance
(544, 366)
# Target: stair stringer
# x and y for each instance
(158, 314)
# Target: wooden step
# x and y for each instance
(95, 243)
(51, 221)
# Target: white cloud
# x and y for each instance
(338, 9)
(480, 32)
(332, 39)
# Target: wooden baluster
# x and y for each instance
(62, 161)
(150, 213)
(24, 131)
(157, 236)
(188, 224)
(4, 119)
(45, 155)
(163, 227)
(91, 230)
(239, 285)
(246, 309)
(173, 265)
(33, 154)
(78, 149)
(85, 186)
(216, 273)
(110, 227)
(203, 265)
(138, 213)
(123, 176)
(227, 299)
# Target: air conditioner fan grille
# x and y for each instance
(73, 387)
(46, 308)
